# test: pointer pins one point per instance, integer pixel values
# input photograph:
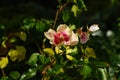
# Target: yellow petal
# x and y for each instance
(3, 62)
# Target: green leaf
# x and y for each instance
(72, 27)
(66, 16)
(72, 51)
(102, 74)
(41, 58)
(28, 23)
(47, 21)
(4, 78)
(14, 75)
(47, 60)
(75, 9)
(2, 27)
(33, 59)
(40, 26)
(81, 4)
(44, 59)
(29, 74)
(86, 71)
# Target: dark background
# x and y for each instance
(12, 12)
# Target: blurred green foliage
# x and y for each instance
(24, 25)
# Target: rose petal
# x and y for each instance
(61, 27)
(84, 37)
(74, 39)
(93, 28)
(49, 34)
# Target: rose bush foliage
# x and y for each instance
(60, 50)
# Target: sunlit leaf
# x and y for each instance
(71, 51)
(72, 27)
(29, 74)
(69, 57)
(58, 50)
(18, 53)
(13, 54)
(33, 59)
(49, 51)
(74, 9)
(3, 62)
(102, 74)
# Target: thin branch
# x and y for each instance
(39, 47)
(3, 72)
(57, 13)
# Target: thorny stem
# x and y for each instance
(57, 13)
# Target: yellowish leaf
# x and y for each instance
(3, 43)
(23, 36)
(18, 53)
(58, 50)
(13, 54)
(21, 52)
(49, 51)
(89, 52)
(12, 40)
(3, 62)
(68, 51)
(61, 70)
(69, 57)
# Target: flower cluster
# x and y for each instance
(64, 36)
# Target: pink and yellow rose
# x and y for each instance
(62, 36)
